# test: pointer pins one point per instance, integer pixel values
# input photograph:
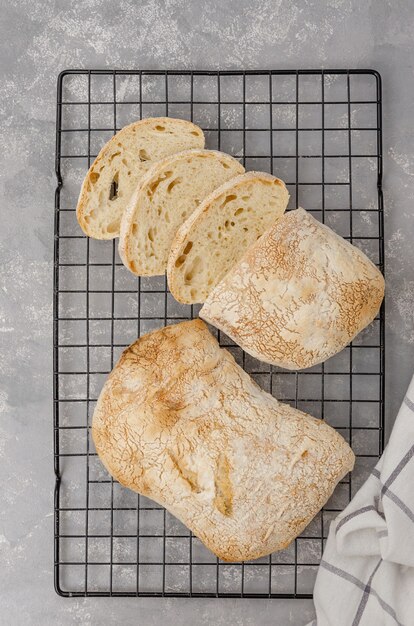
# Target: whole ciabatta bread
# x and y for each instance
(298, 296)
(166, 196)
(121, 163)
(220, 230)
(180, 422)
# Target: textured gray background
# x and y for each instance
(38, 39)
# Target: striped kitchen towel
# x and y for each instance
(366, 576)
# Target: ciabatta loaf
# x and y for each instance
(121, 163)
(166, 196)
(298, 296)
(180, 422)
(218, 233)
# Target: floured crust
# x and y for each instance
(180, 422)
(129, 154)
(298, 296)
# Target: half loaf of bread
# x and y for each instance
(298, 296)
(119, 166)
(220, 230)
(180, 422)
(166, 196)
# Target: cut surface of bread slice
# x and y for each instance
(220, 230)
(119, 166)
(166, 196)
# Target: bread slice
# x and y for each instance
(119, 166)
(217, 234)
(166, 196)
(180, 422)
(298, 296)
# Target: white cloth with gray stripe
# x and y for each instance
(366, 577)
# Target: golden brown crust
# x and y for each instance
(180, 422)
(298, 296)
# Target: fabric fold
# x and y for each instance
(366, 576)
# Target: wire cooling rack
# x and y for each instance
(320, 131)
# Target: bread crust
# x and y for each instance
(298, 296)
(180, 422)
(106, 152)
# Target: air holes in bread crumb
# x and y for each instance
(152, 188)
(115, 154)
(179, 262)
(151, 233)
(134, 229)
(172, 184)
(194, 269)
(113, 191)
(113, 227)
(143, 155)
(238, 211)
(93, 177)
(225, 165)
(229, 199)
(125, 162)
(160, 128)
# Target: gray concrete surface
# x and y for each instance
(39, 39)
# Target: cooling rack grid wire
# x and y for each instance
(320, 131)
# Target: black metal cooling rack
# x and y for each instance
(318, 130)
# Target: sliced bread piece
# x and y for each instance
(121, 163)
(220, 230)
(166, 196)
